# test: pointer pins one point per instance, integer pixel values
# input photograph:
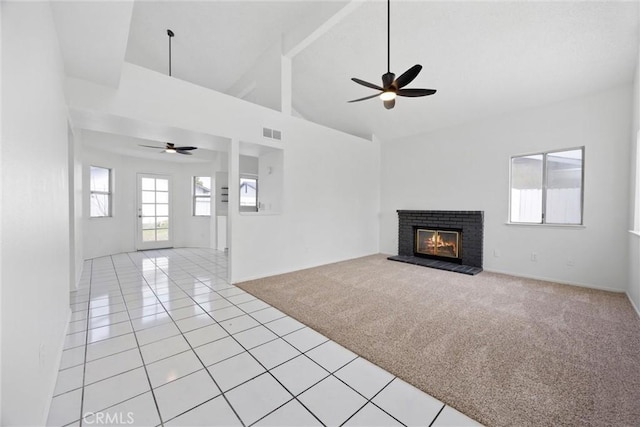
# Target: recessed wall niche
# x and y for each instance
(266, 164)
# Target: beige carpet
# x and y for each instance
(504, 350)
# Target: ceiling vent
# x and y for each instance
(272, 134)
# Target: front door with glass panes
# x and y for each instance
(153, 212)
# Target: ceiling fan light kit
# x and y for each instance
(392, 87)
(172, 149)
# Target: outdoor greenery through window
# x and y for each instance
(547, 188)
(202, 196)
(100, 192)
(248, 193)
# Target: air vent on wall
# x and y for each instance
(272, 134)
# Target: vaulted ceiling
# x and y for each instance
(484, 58)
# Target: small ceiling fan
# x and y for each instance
(171, 148)
(392, 87)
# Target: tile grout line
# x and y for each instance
(260, 323)
(295, 397)
(437, 415)
(247, 351)
(278, 336)
(137, 344)
(199, 359)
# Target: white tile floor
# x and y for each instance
(161, 338)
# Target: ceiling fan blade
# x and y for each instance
(367, 84)
(182, 152)
(415, 92)
(408, 76)
(151, 146)
(365, 98)
(389, 104)
(186, 148)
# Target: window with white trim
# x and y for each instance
(201, 196)
(100, 192)
(547, 187)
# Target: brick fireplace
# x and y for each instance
(447, 240)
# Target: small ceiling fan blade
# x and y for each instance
(179, 151)
(390, 104)
(408, 76)
(365, 98)
(367, 84)
(415, 92)
(151, 146)
(186, 148)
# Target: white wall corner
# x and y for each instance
(633, 304)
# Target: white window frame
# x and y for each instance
(195, 196)
(108, 193)
(544, 155)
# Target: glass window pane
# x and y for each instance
(148, 235)
(100, 179)
(162, 185)
(148, 184)
(148, 197)
(564, 187)
(148, 223)
(148, 210)
(201, 185)
(162, 222)
(162, 210)
(203, 206)
(162, 235)
(526, 188)
(99, 205)
(249, 192)
(162, 197)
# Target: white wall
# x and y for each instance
(1, 139)
(116, 234)
(75, 208)
(467, 168)
(35, 217)
(634, 196)
(330, 203)
(249, 165)
(270, 181)
(331, 196)
(261, 83)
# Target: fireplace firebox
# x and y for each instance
(447, 240)
(438, 244)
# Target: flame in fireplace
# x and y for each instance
(442, 243)
(439, 242)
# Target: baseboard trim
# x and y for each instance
(300, 268)
(633, 304)
(552, 280)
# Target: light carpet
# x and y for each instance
(504, 350)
